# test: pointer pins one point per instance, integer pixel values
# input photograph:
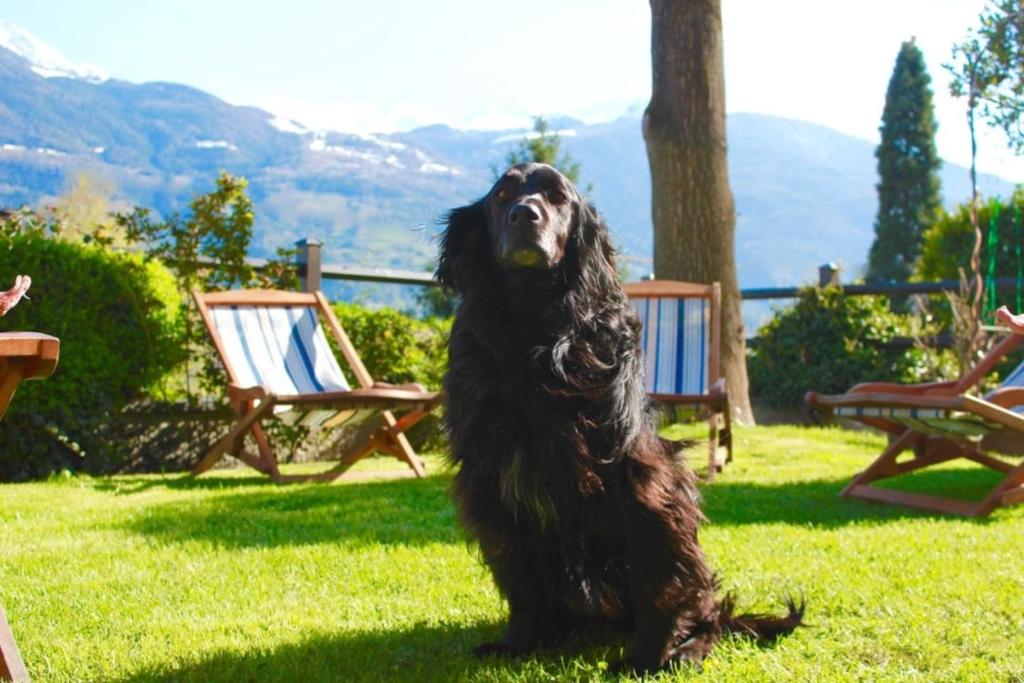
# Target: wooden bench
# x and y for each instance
(23, 355)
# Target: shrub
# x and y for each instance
(948, 243)
(828, 342)
(395, 347)
(117, 318)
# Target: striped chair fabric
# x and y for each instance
(938, 421)
(1015, 378)
(676, 334)
(283, 349)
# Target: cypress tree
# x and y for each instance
(908, 187)
(543, 147)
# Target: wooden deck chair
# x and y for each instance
(681, 340)
(935, 423)
(280, 366)
(12, 668)
(23, 355)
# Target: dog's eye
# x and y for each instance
(502, 194)
(557, 196)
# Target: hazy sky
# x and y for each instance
(382, 66)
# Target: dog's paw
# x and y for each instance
(496, 650)
(631, 666)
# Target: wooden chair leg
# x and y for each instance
(987, 460)
(1008, 492)
(411, 418)
(930, 451)
(726, 435)
(230, 441)
(12, 668)
(267, 457)
(714, 467)
(401, 448)
(885, 464)
(385, 434)
(11, 371)
(349, 459)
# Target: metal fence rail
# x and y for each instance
(886, 288)
(313, 272)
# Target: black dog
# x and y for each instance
(582, 513)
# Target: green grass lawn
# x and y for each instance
(230, 578)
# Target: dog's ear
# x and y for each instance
(461, 242)
(592, 244)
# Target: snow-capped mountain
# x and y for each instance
(45, 60)
(804, 194)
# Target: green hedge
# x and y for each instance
(827, 342)
(117, 318)
(398, 348)
(395, 347)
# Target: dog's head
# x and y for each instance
(533, 223)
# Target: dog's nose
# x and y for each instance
(523, 213)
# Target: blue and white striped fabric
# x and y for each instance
(1015, 378)
(675, 341)
(938, 421)
(282, 349)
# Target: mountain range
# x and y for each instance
(804, 194)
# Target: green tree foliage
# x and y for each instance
(207, 248)
(827, 342)
(948, 243)
(544, 146)
(394, 347)
(989, 68)
(117, 317)
(83, 210)
(398, 349)
(908, 187)
(435, 302)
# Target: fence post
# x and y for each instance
(828, 274)
(308, 262)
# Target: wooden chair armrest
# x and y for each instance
(719, 393)
(1006, 397)
(408, 386)
(958, 402)
(240, 393)
(925, 389)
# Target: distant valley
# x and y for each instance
(804, 194)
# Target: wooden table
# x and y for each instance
(23, 355)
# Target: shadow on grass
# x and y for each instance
(816, 502)
(406, 511)
(252, 512)
(419, 653)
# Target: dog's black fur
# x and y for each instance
(582, 513)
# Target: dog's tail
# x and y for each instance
(763, 627)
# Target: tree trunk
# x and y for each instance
(692, 205)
